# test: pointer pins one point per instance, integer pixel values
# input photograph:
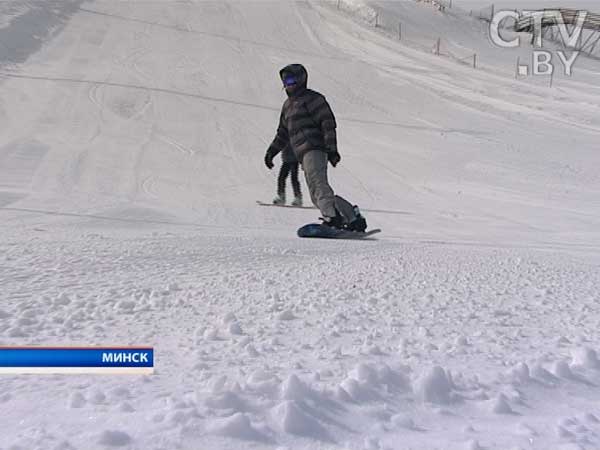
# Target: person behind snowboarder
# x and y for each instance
(307, 125)
(289, 166)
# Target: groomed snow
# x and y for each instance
(131, 149)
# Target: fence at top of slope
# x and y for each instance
(395, 27)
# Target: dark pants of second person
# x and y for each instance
(288, 168)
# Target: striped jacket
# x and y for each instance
(306, 123)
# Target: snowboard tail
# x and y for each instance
(316, 230)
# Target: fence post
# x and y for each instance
(475, 61)
(552, 78)
(338, 4)
(376, 20)
(399, 31)
(493, 12)
(437, 46)
(517, 68)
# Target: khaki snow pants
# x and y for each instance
(314, 164)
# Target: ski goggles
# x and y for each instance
(289, 80)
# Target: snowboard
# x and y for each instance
(258, 202)
(316, 230)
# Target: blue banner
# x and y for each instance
(76, 357)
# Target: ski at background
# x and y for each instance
(261, 203)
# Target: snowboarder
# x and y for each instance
(307, 125)
(289, 166)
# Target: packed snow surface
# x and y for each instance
(131, 144)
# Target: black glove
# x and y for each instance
(268, 161)
(334, 158)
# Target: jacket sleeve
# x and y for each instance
(281, 138)
(323, 116)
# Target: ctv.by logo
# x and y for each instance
(536, 20)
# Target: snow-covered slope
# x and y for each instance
(131, 147)
(124, 111)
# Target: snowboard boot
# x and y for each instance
(359, 223)
(297, 201)
(279, 199)
(334, 222)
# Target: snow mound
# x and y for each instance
(538, 372)
(352, 390)
(561, 369)
(500, 405)
(180, 416)
(235, 329)
(226, 400)
(76, 400)
(473, 444)
(229, 317)
(585, 357)
(434, 387)
(365, 382)
(286, 315)
(263, 382)
(211, 334)
(520, 373)
(96, 397)
(236, 426)
(290, 418)
(294, 389)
